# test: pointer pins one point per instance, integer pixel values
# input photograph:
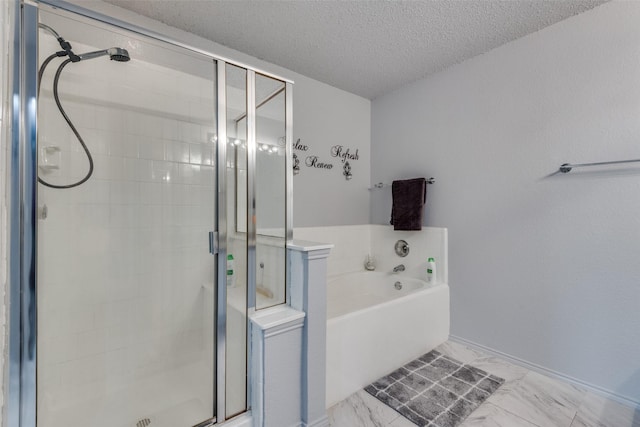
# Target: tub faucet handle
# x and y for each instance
(402, 248)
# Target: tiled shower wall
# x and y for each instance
(124, 270)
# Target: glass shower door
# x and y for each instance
(271, 227)
(125, 281)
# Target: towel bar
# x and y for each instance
(566, 167)
(431, 180)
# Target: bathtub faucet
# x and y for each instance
(398, 268)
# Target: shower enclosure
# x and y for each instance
(141, 168)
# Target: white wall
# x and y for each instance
(542, 268)
(323, 117)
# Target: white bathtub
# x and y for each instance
(372, 328)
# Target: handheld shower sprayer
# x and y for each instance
(117, 54)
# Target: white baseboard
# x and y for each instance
(549, 372)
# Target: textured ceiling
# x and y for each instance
(366, 47)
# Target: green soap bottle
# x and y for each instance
(431, 270)
(231, 277)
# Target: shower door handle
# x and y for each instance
(213, 242)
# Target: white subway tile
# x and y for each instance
(151, 148)
(195, 153)
(150, 193)
(91, 342)
(145, 172)
(79, 164)
(129, 145)
(129, 169)
(169, 129)
(116, 143)
(176, 151)
(59, 348)
(114, 167)
(186, 132)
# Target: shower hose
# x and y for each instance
(66, 117)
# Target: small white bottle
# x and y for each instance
(431, 271)
(231, 277)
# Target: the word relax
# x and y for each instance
(312, 162)
(300, 147)
(339, 151)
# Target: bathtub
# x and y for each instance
(374, 328)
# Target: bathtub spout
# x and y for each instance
(398, 268)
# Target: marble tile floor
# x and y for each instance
(526, 399)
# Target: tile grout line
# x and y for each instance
(518, 416)
(574, 418)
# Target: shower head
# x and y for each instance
(119, 54)
(115, 53)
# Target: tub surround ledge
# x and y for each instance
(309, 246)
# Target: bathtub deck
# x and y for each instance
(526, 399)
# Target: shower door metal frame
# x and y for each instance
(21, 398)
(221, 207)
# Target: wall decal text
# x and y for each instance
(299, 146)
(344, 153)
(313, 162)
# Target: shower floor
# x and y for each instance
(169, 399)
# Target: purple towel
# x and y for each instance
(409, 197)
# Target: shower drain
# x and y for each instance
(143, 422)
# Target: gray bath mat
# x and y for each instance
(435, 390)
